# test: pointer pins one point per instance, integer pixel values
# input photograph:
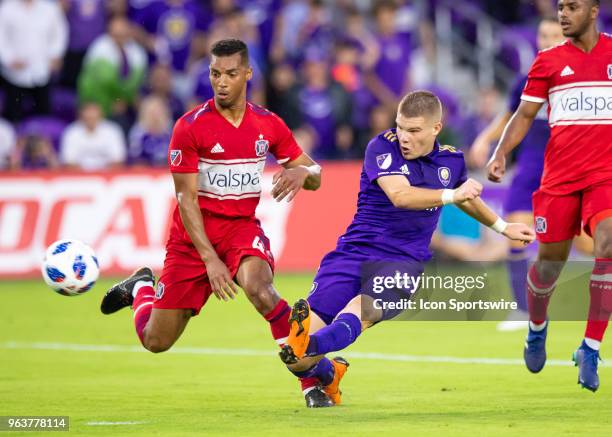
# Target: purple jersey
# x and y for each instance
(262, 13)
(148, 149)
(530, 156)
(534, 143)
(382, 229)
(380, 232)
(176, 25)
(87, 21)
(394, 61)
(318, 110)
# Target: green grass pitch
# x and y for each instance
(225, 378)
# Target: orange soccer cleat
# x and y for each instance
(299, 334)
(333, 390)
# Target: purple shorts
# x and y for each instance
(347, 272)
(525, 182)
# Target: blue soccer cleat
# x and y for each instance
(535, 349)
(586, 360)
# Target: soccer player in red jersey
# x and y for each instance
(217, 156)
(575, 78)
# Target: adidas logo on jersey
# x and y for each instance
(567, 71)
(217, 149)
(404, 169)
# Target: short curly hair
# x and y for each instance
(229, 47)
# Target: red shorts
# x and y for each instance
(560, 217)
(183, 282)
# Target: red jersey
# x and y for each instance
(229, 160)
(578, 88)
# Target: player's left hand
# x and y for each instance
(287, 182)
(519, 232)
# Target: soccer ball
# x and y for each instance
(70, 267)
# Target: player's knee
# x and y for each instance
(548, 270)
(262, 295)
(363, 307)
(603, 245)
(156, 344)
(369, 314)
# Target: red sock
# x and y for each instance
(279, 321)
(600, 307)
(538, 296)
(279, 325)
(143, 305)
(308, 383)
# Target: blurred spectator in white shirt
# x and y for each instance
(7, 144)
(93, 143)
(33, 39)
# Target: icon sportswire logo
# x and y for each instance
(581, 103)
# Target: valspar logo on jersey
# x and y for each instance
(230, 178)
(581, 103)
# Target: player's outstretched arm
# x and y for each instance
(403, 195)
(221, 281)
(480, 149)
(513, 134)
(300, 173)
(479, 210)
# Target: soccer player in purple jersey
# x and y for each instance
(407, 176)
(527, 175)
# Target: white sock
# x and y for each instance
(308, 390)
(593, 344)
(139, 285)
(539, 327)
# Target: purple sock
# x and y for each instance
(518, 265)
(323, 371)
(336, 336)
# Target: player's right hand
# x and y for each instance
(469, 190)
(221, 282)
(496, 168)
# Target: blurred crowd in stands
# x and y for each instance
(94, 84)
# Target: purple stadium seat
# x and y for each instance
(64, 103)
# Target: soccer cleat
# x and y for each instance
(120, 295)
(298, 339)
(586, 359)
(535, 349)
(316, 398)
(333, 390)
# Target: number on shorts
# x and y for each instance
(258, 244)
